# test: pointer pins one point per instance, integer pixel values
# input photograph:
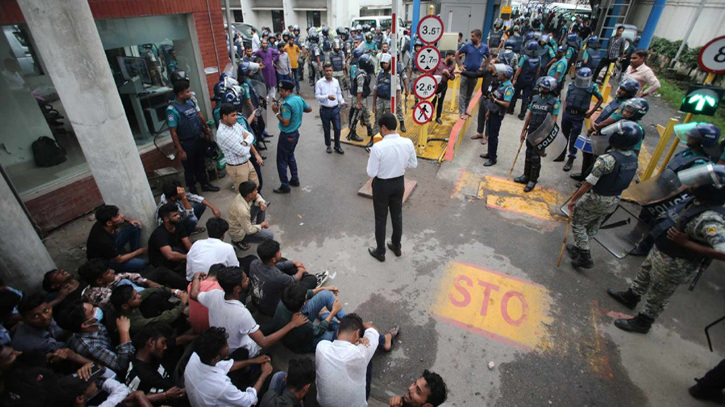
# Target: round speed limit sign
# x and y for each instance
(425, 86)
(430, 29)
(712, 56)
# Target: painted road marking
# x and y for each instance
(503, 194)
(495, 305)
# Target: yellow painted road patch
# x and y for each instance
(495, 305)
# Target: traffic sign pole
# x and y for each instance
(394, 60)
(423, 132)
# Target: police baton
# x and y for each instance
(515, 159)
(563, 242)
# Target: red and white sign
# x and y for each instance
(427, 59)
(712, 56)
(430, 29)
(425, 86)
(423, 112)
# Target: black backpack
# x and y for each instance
(47, 152)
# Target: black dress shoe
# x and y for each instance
(402, 127)
(522, 180)
(530, 186)
(329, 150)
(561, 157)
(209, 188)
(374, 252)
(484, 155)
(395, 251)
(569, 164)
(439, 121)
(521, 117)
(339, 150)
(354, 137)
(577, 177)
(490, 162)
(294, 183)
(281, 190)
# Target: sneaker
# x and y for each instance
(241, 245)
(322, 277)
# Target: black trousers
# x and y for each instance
(194, 167)
(603, 63)
(388, 194)
(441, 97)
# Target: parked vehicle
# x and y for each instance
(246, 30)
(376, 22)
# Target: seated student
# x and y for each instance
(206, 252)
(428, 391)
(8, 301)
(38, 332)
(246, 217)
(190, 206)
(270, 275)
(169, 242)
(199, 314)
(77, 391)
(60, 285)
(344, 366)
(14, 316)
(225, 310)
(288, 389)
(146, 371)
(90, 337)
(102, 280)
(297, 298)
(207, 383)
(126, 301)
(109, 236)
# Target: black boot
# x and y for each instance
(572, 251)
(569, 164)
(353, 136)
(701, 392)
(533, 175)
(640, 324)
(560, 157)
(628, 298)
(402, 126)
(584, 260)
(524, 178)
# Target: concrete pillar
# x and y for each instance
(66, 34)
(23, 258)
(652, 20)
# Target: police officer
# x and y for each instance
(498, 102)
(360, 88)
(516, 39)
(577, 108)
(600, 193)
(289, 113)
(316, 58)
(413, 71)
(546, 54)
(326, 44)
(526, 73)
(685, 236)
(336, 58)
(574, 43)
(592, 55)
(495, 37)
(544, 104)
(626, 90)
(382, 93)
(187, 124)
(557, 68)
(508, 56)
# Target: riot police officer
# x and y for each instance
(495, 37)
(599, 195)
(325, 43)
(336, 58)
(526, 73)
(381, 95)
(546, 54)
(592, 55)
(508, 56)
(498, 102)
(544, 104)
(577, 108)
(573, 43)
(315, 58)
(360, 89)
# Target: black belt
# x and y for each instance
(237, 165)
(576, 111)
(334, 107)
(390, 179)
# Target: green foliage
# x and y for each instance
(667, 48)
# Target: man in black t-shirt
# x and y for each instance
(109, 236)
(169, 243)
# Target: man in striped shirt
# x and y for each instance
(615, 50)
(237, 145)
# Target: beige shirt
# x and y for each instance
(644, 75)
(240, 218)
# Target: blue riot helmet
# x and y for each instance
(593, 42)
(624, 134)
(572, 40)
(325, 31)
(532, 48)
(219, 90)
(366, 64)
(230, 96)
(505, 70)
(629, 86)
(223, 76)
(511, 43)
(546, 83)
(528, 37)
(583, 78)
(313, 38)
(562, 49)
(248, 68)
(634, 108)
(178, 75)
(705, 134)
(544, 39)
(339, 30)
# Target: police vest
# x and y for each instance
(494, 38)
(508, 57)
(498, 94)
(189, 127)
(609, 109)
(578, 99)
(540, 108)
(528, 71)
(545, 59)
(595, 56)
(679, 216)
(383, 85)
(618, 180)
(315, 52)
(253, 94)
(337, 59)
(366, 84)
(517, 44)
(679, 162)
(326, 45)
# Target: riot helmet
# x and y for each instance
(230, 96)
(366, 28)
(623, 135)
(248, 68)
(562, 49)
(532, 48)
(368, 36)
(572, 40)
(634, 108)
(593, 42)
(325, 31)
(700, 135)
(178, 75)
(510, 43)
(583, 79)
(418, 43)
(219, 90)
(366, 64)
(358, 28)
(629, 86)
(516, 28)
(705, 182)
(505, 70)
(385, 58)
(547, 83)
(336, 44)
(528, 37)
(498, 23)
(313, 38)
(296, 28)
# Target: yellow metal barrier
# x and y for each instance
(665, 134)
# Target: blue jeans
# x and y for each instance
(131, 235)
(571, 126)
(312, 308)
(286, 157)
(190, 222)
(331, 116)
(296, 76)
(281, 77)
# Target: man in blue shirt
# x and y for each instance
(289, 115)
(475, 53)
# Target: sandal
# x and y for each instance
(198, 229)
(394, 332)
(477, 136)
(484, 140)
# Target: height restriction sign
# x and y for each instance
(427, 59)
(430, 29)
(425, 86)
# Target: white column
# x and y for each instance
(66, 34)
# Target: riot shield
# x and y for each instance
(656, 189)
(547, 137)
(599, 143)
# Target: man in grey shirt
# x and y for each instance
(615, 50)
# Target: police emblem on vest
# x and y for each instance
(679, 217)
(498, 94)
(189, 127)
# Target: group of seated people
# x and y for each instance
(178, 332)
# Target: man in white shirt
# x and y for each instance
(227, 311)
(343, 366)
(329, 95)
(237, 144)
(205, 376)
(256, 43)
(207, 252)
(386, 165)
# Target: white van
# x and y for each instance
(376, 22)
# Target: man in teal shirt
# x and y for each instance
(289, 115)
(558, 67)
(498, 103)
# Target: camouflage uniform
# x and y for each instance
(660, 275)
(592, 208)
(365, 109)
(382, 106)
